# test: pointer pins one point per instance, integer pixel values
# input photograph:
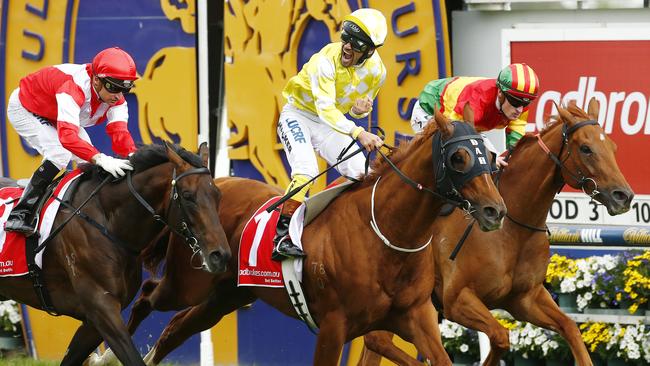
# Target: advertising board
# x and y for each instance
(608, 63)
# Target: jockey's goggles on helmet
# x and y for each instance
(516, 101)
(357, 44)
(116, 86)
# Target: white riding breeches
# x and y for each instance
(420, 118)
(40, 134)
(302, 132)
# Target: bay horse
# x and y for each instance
(91, 275)
(353, 281)
(506, 269)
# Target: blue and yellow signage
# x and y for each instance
(268, 42)
(163, 106)
(159, 35)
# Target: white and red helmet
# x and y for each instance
(115, 66)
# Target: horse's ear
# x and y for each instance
(593, 109)
(173, 156)
(468, 114)
(565, 115)
(444, 124)
(204, 153)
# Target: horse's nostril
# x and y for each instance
(216, 257)
(491, 212)
(621, 196)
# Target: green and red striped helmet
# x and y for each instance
(519, 80)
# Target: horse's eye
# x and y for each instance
(456, 159)
(188, 196)
(585, 150)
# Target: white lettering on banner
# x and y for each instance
(576, 208)
(630, 124)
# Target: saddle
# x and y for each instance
(69, 193)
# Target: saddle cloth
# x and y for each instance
(256, 244)
(12, 245)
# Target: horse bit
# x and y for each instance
(184, 231)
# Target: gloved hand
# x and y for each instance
(113, 166)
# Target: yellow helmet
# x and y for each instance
(367, 25)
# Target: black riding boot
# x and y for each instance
(21, 218)
(283, 246)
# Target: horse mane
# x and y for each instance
(379, 164)
(551, 122)
(146, 157)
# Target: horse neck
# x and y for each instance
(405, 214)
(125, 211)
(531, 180)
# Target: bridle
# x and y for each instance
(581, 180)
(448, 181)
(183, 230)
(578, 176)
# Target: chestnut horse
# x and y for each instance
(354, 282)
(506, 269)
(91, 275)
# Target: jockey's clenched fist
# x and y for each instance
(362, 106)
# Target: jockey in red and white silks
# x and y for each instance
(343, 77)
(52, 106)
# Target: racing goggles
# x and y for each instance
(516, 101)
(115, 86)
(357, 44)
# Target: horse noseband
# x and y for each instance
(185, 231)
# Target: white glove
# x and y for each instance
(113, 166)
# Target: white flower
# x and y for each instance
(464, 348)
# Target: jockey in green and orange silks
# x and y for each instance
(496, 103)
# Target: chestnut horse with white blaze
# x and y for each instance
(354, 282)
(506, 269)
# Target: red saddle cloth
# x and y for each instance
(12, 244)
(256, 244)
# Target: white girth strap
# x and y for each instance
(373, 224)
(296, 294)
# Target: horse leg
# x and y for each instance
(469, 311)
(420, 327)
(538, 308)
(379, 343)
(196, 319)
(143, 306)
(330, 340)
(84, 341)
(103, 312)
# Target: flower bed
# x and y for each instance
(602, 282)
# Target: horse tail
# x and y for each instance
(154, 253)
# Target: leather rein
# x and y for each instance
(184, 230)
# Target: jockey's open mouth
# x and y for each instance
(347, 55)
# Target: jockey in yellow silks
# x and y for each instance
(496, 103)
(343, 77)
